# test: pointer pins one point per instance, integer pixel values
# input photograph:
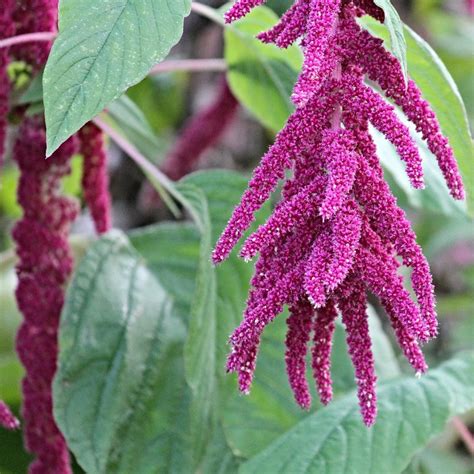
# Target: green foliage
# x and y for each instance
(141, 383)
(261, 76)
(334, 440)
(118, 347)
(103, 49)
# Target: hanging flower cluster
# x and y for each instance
(41, 236)
(337, 232)
(45, 264)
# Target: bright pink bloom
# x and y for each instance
(95, 179)
(337, 230)
(291, 26)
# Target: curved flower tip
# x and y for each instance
(324, 328)
(240, 9)
(354, 317)
(299, 330)
(7, 419)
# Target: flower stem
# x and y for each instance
(208, 12)
(162, 183)
(190, 65)
(27, 38)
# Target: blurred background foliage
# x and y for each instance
(166, 102)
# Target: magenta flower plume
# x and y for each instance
(337, 231)
(95, 179)
(45, 264)
(7, 29)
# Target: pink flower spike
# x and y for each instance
(388, 286)
(7, 419)
(303, 126)
(385, 69)
(318, 62)
(346, 231)
(406, 341)
(341, 162)
(362, 100)
(390, 222)
(324, 326)
(299, 330)
(240, 9)
(316, 269)
(95, 180)
(354, 317)
(288, 214)
(291, 26)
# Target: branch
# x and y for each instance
(27, 38)
(464, 433)
(158, 178)
(190, 65)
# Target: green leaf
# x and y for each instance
(102, 49)
(439, 89)
(218, 299)
(132, 122)
(398, 45)
(118, 392)
(334, 440)
(261, 76)
(252, 422)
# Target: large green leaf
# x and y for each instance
(118, 392)
(394, 25)
(261, 76)
(252, 422)
(102, 49)
(218, 299)
(439, 89)
(335, 440)
(135, 127)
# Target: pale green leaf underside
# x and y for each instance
(102, 49)
(394, 25)
(117, 347)
(335, 441)
(261, 76)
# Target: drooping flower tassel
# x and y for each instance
(45, 264)
(95, 178)
(337, 231)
